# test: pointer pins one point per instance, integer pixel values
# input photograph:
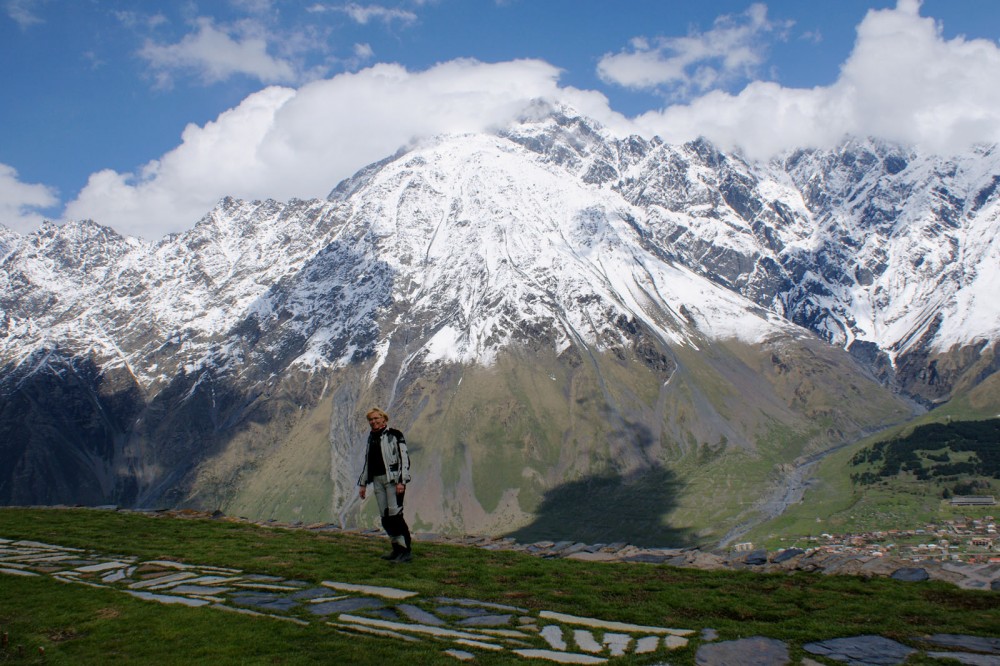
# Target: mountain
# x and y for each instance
(579, 334)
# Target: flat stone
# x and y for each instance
(348, 605)
(967, 658)
(553, 635)
(486, 621)
(461, 611)
(674, 642)
(480, 604)
(617, 644)
(168, 599)
(441, 632)
(559, 657)
(200, 589)
(613, 626)
(312, 593)
(586, 641)
(756, 651)
(103, 566)
(18, 572)
(647, 644)
(963, 642)
(384, 592)
(862, 650)
(419, 615)
(266, 601)
(461, 655)
(756, 557)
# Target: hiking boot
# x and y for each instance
(405, 556)
(394, 555)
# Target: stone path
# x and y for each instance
(464, 628)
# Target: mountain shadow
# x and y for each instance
(610, 508)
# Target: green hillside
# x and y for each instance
(78, 624)
(902, 477)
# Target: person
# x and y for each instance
(387, 469)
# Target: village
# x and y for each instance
(965, 539)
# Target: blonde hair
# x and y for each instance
(376, 410)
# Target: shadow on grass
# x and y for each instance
(610, 508)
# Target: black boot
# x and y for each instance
(405, 555)
(397, 551)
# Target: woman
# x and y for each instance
(387, 468)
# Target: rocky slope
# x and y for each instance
(561, 321)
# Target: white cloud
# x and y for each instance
(215, 54)
(20, 203)
(285, 143)
(22, 12)
(732, 50)
(364, 14)
(902, 82)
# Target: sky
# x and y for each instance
(142, 114)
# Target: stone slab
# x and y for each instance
(862, 650)
(755, 651)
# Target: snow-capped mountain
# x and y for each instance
(536, 307)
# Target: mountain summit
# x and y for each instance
(575, 331)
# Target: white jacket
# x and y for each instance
(394, 455)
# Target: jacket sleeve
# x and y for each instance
(404, 457)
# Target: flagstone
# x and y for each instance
(586, 641)
(553, 635)
(647, 644)
(461, 655)
(167, 599)
(674, 642)
(617, 644)
(559, 657)
(200, 589)
(614, 626)
(440, 632)
(418, 614)
(357, 628)
(114, 576)
(482, 604)
(346, 605)
(161, 581)
(386, 592)
(486, 621)
(18, 572)
(102, 566)
(470, 642)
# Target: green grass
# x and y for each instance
(81, 625)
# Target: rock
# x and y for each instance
(756, 651)
(862, 650)
(911, 574)
(968, 643)
(756, 558)
(786, 555)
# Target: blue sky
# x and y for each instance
(142, 114)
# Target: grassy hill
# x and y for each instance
(902, 477)
(76, 624)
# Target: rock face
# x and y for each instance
(561, 321)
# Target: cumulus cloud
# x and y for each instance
(286, 143)
(903, 82)
(215, 54)
(21, 203)
(732, 50)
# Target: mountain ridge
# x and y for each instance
(666, 289)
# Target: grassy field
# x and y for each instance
(74, 624)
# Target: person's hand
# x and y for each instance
(400, 488)
(361, 492)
